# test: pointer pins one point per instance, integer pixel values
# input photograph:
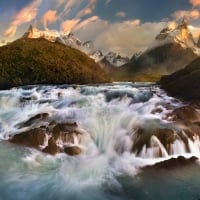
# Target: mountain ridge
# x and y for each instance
(26, 61)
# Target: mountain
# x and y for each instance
(172, 50)
(38, 61)
(184, 83)
(69, 39)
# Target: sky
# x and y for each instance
(122, 26)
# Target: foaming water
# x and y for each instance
(111, 115)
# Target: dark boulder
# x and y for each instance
(72, 150)
(174, 163)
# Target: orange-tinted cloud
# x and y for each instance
(195, 2)
(49, 17)
(25, 15)
(69, 25)
(86, 22)
(88, 9)
(193, 14)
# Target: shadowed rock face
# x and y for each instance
(52, 138)
(154, 63)
(184, 83)
(174, 163)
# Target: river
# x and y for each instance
(110, 167)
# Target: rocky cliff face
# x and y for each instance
(184, 83)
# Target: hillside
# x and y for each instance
(159, 61)
(184, 83)
(38, 61)
(172, 50)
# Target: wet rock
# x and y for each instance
(53, 138)
(36, 118)
(52, 147)
(166, 137)
(185, 113)
(58, 129)
(141, 138)
(33, 138)
(29, 98)
(156, 110)
(72, 150)
(174, 163)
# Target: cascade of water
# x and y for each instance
(109, 113)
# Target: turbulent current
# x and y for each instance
(125, 128)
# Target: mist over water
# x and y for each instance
(109, 167)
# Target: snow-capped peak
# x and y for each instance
(69, 39)
(177, 33)
(116, 59)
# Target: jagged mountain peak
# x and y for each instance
(69, 39)
(179, 33)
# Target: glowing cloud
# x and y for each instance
(86, 22)
(189, 15)
(195, 2)
(87, 10)
(25, 15)
(172, 25)
(49, 17)
(69, 25)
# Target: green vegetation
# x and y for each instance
(38, 61)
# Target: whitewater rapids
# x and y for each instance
(110, 114)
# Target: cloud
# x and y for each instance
(69, 25)
(107, 2)
(195, 2)
(189, 15)
(121, 14)
(60, 2)
(49, 17)
(76, 24)
(68, 6)
(88, 9)
(127, 37)
(25, 15)
(84, 23)
(195, 31)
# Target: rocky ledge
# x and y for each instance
(182, 127)
(51, 137)
(174, 163)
